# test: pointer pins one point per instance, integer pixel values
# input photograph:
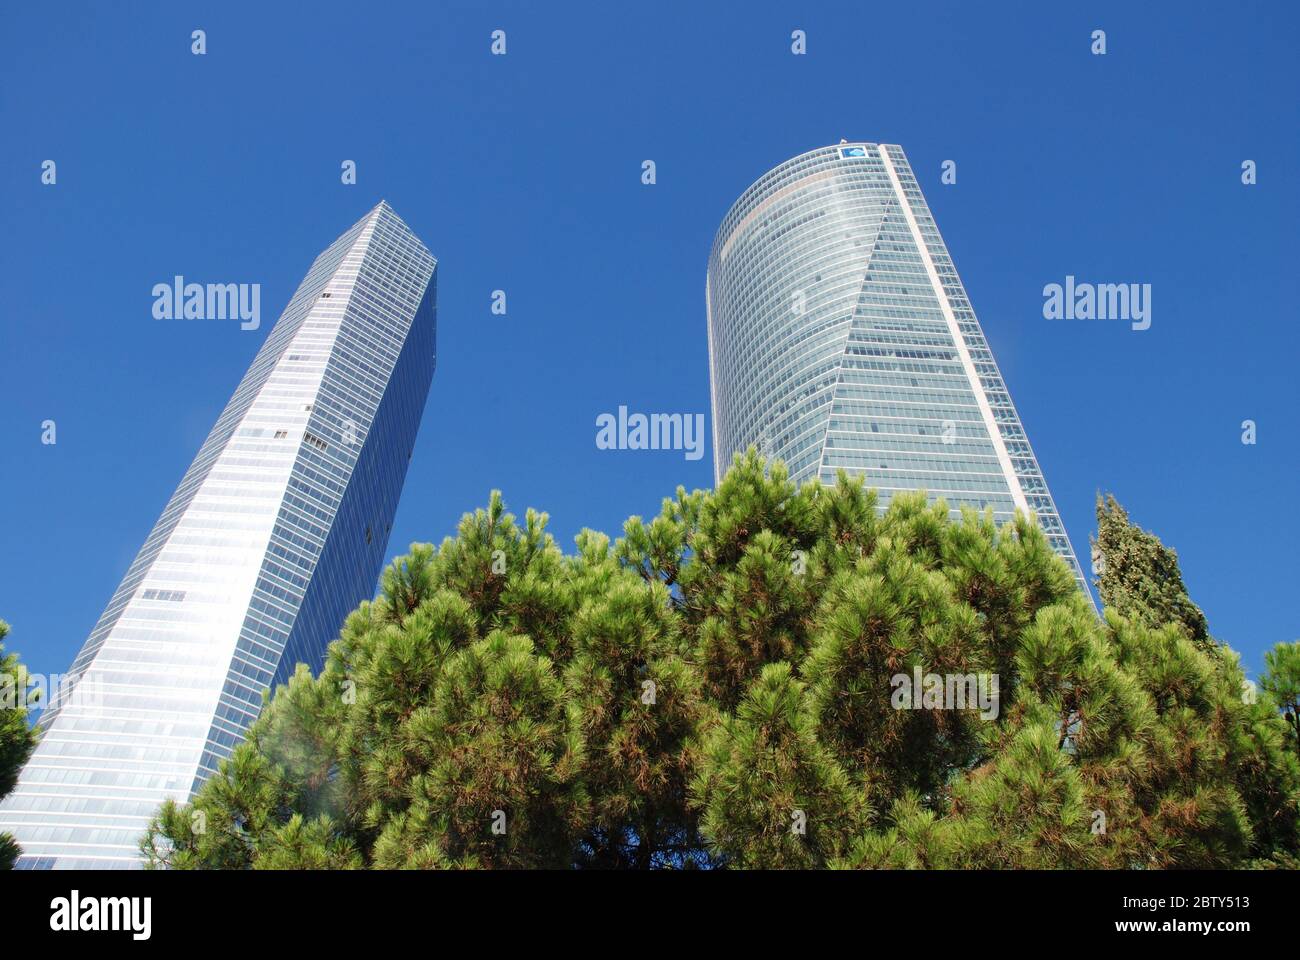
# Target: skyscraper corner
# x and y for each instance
(276, 531)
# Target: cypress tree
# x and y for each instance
(1139, 576)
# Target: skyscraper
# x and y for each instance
(277, 530)
(841, 337)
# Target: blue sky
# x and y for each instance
(522, 173)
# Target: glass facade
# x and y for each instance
(277, 530)
(841, 337)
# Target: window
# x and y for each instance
(315, 441)
(281, 434)
(174, 596)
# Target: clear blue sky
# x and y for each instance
(522, 173)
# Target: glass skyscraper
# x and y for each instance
(277, 530)
(841, 337)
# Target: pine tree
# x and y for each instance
(1281, 681)
(772, 795)
(759, 676)
(1140, 579)
(16, 737)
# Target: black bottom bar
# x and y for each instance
(334, 910)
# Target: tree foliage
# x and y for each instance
(1140, 578)
(719, 687)
(16, 737)
(1281, 681)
